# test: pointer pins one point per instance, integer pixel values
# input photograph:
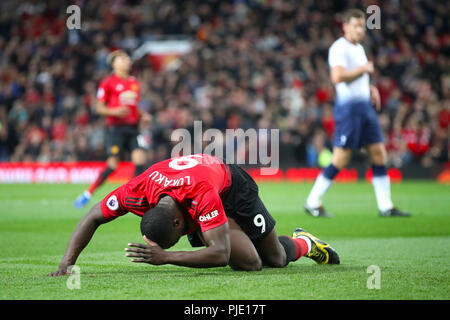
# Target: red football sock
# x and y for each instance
(301, 247)
(97, 183)
(100, 179)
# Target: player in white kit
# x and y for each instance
(356, 120)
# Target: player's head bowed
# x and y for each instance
(163, 224)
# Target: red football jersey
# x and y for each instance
(116, 91)
(196, 182)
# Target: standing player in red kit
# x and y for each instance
(117, 100)
(215, 204)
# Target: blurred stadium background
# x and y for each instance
(230, 64)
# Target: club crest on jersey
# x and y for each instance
(208, 216)
(112, 203)
(343, 139)
(134, 87)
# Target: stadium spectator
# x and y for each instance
(250, 60)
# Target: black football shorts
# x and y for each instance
(243, 204)
(123, 138)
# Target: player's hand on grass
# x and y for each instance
(150, 253)
(62, 271)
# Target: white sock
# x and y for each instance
(382, 187)
(320, 187)
(308, 242)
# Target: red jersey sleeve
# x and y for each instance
(112, 205)
(207, 209)
(102, 92)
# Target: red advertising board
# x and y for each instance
(61, 172)
(86, 172)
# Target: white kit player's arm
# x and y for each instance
(375, 97)
(339, 70)
(340, 74)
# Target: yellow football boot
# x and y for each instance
(321, 252)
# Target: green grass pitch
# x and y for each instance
(411, 254)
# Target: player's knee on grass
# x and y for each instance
(272, 251)
(275, 260)
(246, 264)
(244, 256)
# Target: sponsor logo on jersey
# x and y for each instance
(208, 216)
(128, 97)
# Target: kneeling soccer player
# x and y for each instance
(215, 204)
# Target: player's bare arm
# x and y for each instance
(216, 253)
(119, 112)
(80, 238)
(375, 97)
(340, 74)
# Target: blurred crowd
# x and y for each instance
(253, 64)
